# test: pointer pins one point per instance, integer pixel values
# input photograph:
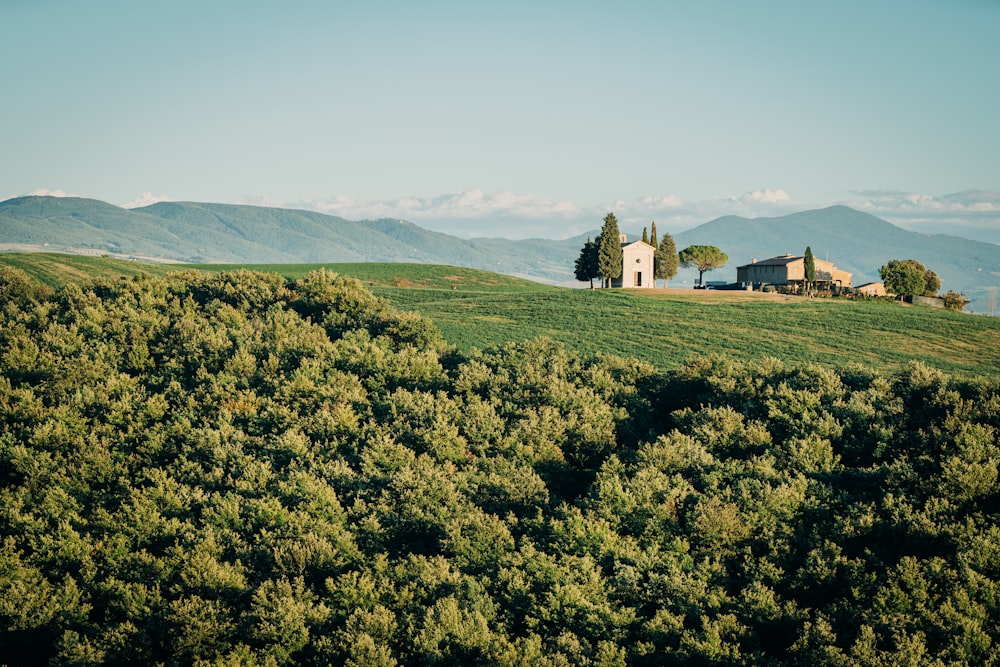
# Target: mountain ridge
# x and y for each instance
(198, 232)
(855, 241)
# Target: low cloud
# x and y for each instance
(465, 204)
(967, 201)
(145, 199)
(765, 197)
(468, 213)
(45, 192)
(513, 215)
(974, 214)
(673, 214)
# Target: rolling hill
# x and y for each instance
(213, 233)
(475, 309)
(222, 233)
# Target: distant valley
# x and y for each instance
(221, 233)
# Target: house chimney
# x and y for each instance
(621, 237)
(754, 261)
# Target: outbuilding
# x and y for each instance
(872, 289)
(791, 270)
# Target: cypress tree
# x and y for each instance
(609, 262)
(810, 267)
(656, 250)
(666, 259)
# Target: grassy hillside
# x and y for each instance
(404, 276)
(55, 269)
(666, 330)
(476, 309)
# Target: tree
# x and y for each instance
(585, 267)
(652, 236)
(609, 261)
(17, 286)
(908, 277)
(666, 259)
(955, 300)
(810, 267)
(704, 258)
(931, 283)
(645, 235)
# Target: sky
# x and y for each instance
(511, 118)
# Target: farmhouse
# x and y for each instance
(791, 270)
(637, 265)
(872, 289)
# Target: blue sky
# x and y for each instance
(515, 118)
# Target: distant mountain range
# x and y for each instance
(854, 241)
(213, 233)
(220, 233)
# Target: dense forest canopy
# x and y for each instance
(245, 469)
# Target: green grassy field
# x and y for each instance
(666, 330)
(476, 309)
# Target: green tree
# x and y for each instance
(609, 262)
(586, 267)
(291, 476)
(931, 283)
(704, 258)
(17, 286)
(645, 235)
(667, 260)
(908, 277)
(955, 300)
(652, 237)
(810, 267)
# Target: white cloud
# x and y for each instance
(967, 201)
(673, 214)
(974, 214)
(145, 199)
(765, 197)
(475, 212)
(45, 192)
(474, 203)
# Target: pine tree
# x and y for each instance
(704, 258)
(645, 236)
(585, 267)
(609, 262)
